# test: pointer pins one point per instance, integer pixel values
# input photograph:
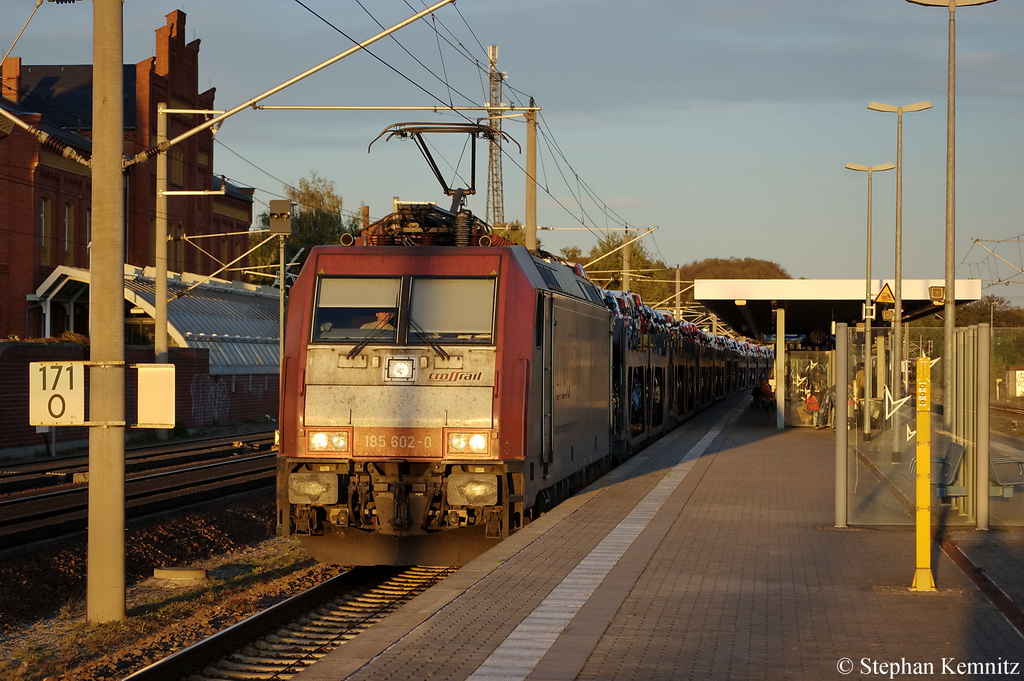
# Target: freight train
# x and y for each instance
(442, 387)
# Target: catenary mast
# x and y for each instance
(495, 213)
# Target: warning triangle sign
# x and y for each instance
(885, 296)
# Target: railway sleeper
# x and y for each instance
(278, 662)
(261, 667)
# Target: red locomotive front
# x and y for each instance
(403, 418)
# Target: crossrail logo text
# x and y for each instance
(455, 376)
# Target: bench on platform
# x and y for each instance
(944, 472)
(1005, 472)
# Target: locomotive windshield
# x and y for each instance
(356, 309)
(451, 310)
(411, 310)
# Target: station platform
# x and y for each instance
(710, 555)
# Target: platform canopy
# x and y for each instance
(235, 321)
(812, 305)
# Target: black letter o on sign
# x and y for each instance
(49, 406)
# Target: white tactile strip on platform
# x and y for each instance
(517, 656)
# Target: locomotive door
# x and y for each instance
(547, 353)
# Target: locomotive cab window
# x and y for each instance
(452, 310)
(354, 309)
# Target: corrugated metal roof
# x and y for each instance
(236, 322)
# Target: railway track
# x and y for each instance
(283, 640)
(22, 476)
(1006, 409)
(165, 481)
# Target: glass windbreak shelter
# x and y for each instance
(807, 387)
(977, 431)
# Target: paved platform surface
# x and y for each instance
(710, 555)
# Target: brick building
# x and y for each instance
(45, 197)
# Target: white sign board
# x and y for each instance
(156, 395)
(56, 393)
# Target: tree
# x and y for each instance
(995, 309)
(655, 281)
(513, 231)
(733, 268)
(571, 253)
(999, 311)
(648, 275)
(316, 219)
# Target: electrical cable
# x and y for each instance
(379, 59)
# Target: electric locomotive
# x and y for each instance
(440, 386)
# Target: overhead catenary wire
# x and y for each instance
(577, 187)
(556, 152)
(377, 57)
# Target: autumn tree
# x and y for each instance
(317, 219)
(648, 275)
(990, 309)
(733, 268)
(996, 310)
(654, 280)
(514, 232)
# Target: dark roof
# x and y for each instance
(63, 94)
(80, 143)
(231, 189)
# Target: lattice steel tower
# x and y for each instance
(495, 214)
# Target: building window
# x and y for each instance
(45, 231)
(177, 169)
(69, 234)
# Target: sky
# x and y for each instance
(727, 125)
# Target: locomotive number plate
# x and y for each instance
(400, 443)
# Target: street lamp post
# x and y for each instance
(897, 316)
(868, 313)
(949, 294)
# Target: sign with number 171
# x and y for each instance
(56, 395)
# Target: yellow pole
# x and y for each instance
(923, 579)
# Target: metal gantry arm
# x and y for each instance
(627, 243)
(146, 154)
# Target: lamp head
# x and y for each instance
(858, 166)
(920, 106)
(878, 106)
(950, 3)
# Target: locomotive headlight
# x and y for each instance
(400, 369)
(320, 441)
(467, 443)
(316, 442)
